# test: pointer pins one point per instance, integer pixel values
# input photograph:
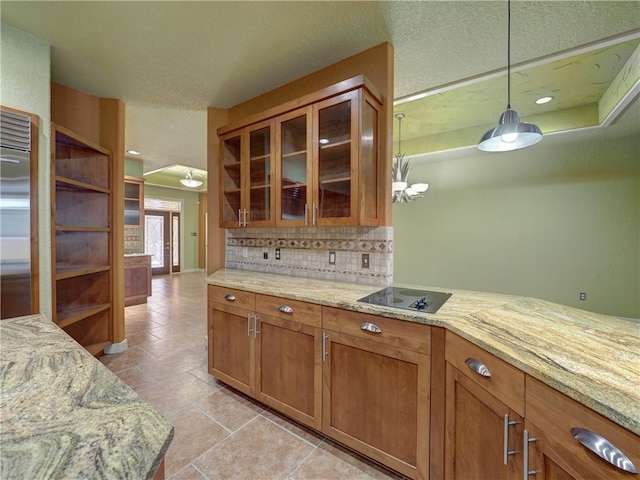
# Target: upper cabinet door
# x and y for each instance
(259, 206)
(335, 161)
(294, 168)
(247, 177)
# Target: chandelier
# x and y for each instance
(400, 189)
(190, 180)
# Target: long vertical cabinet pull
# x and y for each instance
(306, 214)
(314, 209)
(525, 456)
(325, 352)
(239, 218)
(249, 318)
(256, 332)
(506, 450)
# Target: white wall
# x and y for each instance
(549, 221)
(25, 84)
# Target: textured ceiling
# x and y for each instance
(169, 61)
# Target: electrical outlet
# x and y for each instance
(583, 296)
(265, 253)
(365, 260)
(332, 258)
(277, 254)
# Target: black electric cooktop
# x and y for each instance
(408, 299)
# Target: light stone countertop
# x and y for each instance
(592, 358)
(65, 415)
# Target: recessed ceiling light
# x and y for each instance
(133, 152)
(543, 100)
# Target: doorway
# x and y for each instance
(162, 241)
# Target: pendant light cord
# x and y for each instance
(509, 55)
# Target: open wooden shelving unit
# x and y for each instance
(82, 240)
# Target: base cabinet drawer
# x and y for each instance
(567, 440)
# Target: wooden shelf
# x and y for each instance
(335, 180)
(330, 146)
(64, 182)
(74, 315)
(71, 271)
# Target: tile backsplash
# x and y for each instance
(304, 252)
(133, 240)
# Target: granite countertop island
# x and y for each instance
(592, 358)
(64, 415)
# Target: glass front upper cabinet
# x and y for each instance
(294, 168)
(247, 173)
(336, 169)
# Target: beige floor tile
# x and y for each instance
(260, 450)
(229, 408)
(127, 359)
(136, 378)
(194, 434)
(172, 363)
(305, 433)
(172, 395)
(201, 373)
(330, 461)
(187, 473)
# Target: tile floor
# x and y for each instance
(219, 433)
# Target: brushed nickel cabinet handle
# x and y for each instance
(285, 309)
(325, 352)
(230, 298)
(239, 218)
(604, 449)
(506, 451)
(478, 367)
(249, 330)
(256, 332)
(370, 327)
(525, 456)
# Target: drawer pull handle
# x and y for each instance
(370, 327)
(604, 449)
(478, 367)
(230, 298)
(285, 309)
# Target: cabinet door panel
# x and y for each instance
(293, 168)
(289, 368)
(231, 352)
(336, 165)
(376, 399)
(475, 432)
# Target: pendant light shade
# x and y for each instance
(511, 133)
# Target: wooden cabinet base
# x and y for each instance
(137, 279)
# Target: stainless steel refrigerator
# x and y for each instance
(15, 214)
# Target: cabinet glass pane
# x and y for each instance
(334, 161)
(231, 199)
(260, 174)
(294, 168)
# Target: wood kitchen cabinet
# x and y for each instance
(484, 414)
(268, 348)
(133, 202)
(247, 177)
(82, 240)
(137, 279)
(312, 162)
(376, 374)
(553, 453)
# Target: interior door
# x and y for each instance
(157, 240)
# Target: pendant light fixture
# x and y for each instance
(190, 181)
(400, 190)
(511, 133)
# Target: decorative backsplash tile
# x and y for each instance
(304, 252)
(133, 240)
